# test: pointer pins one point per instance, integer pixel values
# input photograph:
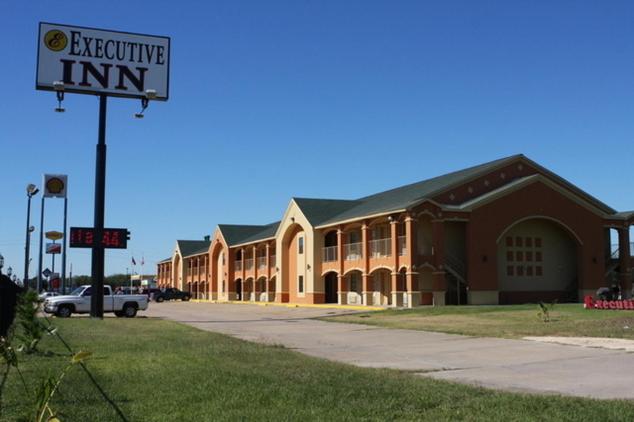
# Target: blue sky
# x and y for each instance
(340, 99)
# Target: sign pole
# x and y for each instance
(64, 246)
(39, 264)
(96, 299)
(53, 259)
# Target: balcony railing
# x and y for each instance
(352, 251)
(380, 248)
(402, 249)
(261, 262)
(238, 265)
(248, 263)
(329, 254)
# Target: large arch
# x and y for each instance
(294, 257)
(538, 260)
(176, 274)
(218, 272)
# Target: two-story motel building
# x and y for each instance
(507, 231)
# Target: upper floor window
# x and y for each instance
(300, 245)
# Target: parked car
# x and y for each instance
(45, 295)
(79, 302)
(171, 294)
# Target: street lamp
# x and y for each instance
(31, 190)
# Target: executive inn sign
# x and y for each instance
(94, 61)
(75, 59)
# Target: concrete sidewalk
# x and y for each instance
(515, 365)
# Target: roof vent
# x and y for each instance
(207, 238)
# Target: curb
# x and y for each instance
(292, 305)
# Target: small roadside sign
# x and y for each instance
(46, 272)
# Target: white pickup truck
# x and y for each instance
(78, 301)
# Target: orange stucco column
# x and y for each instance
(341, 295)
(412, 296)
(625, 275)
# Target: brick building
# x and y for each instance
(507, 231)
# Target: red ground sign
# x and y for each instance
(590, 303)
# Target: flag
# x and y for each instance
(133, 261)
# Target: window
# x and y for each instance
(300, 284)
(520, 249)
(300, 245)
(223, 286)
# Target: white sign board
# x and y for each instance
(95, 61)
(55, 185)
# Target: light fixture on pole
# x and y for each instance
(150, 94)
(58, 86)
(31, 190)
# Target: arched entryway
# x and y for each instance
(272, 289)
(238, 287)
(330, 287)
(381, 287)
(261, 290)
(294, 260)
(248, 290)
(538, 261)
(353, 281)
(176, 274)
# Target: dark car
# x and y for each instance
(171, 294)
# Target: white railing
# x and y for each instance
(238, 265)
(380, 248)
(402, 248)
(261, 262)
(352, 251)
(329, 254)
(248, 263)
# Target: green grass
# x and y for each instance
(162, 371)
(514, 321)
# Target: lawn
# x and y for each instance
(513, 321)
(162, 371)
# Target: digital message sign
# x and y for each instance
(84, 237)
